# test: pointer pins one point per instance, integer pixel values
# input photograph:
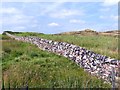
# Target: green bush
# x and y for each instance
(33, 54)
(22, 58)
(7, 50)
(4, 37)
(17, 53)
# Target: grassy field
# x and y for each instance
(24, 65)
(105, 45)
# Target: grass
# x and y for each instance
(105, 45)
(24, 65)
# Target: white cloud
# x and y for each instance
(53, 24)
(65, 13)
(14, 16)
(50, 7)
(51, 0)
(110, 2)
(77, 21)
(17, 19)
(10, 10)
(112, 17)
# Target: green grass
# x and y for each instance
(24, 64)
(105, 45)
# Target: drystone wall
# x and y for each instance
(102, 66)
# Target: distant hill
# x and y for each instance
(91, 32)
(85, 32)
(27, 33)
(111, 33)
(11, 32)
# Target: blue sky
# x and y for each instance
(56, 17)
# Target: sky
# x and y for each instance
(56, 17)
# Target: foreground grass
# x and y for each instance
(105, 45)
(26, 65)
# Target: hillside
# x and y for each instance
(84, 32)
(91, 32)
(111, 33)
(26, 65)
(105, 45)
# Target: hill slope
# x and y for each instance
(92, 32)
(105, 45)
(26, 65)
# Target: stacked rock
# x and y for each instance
(95, 64)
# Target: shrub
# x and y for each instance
(33, 54)
(7, 50)
(24, 58)
(17, 53)
(4, 37)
